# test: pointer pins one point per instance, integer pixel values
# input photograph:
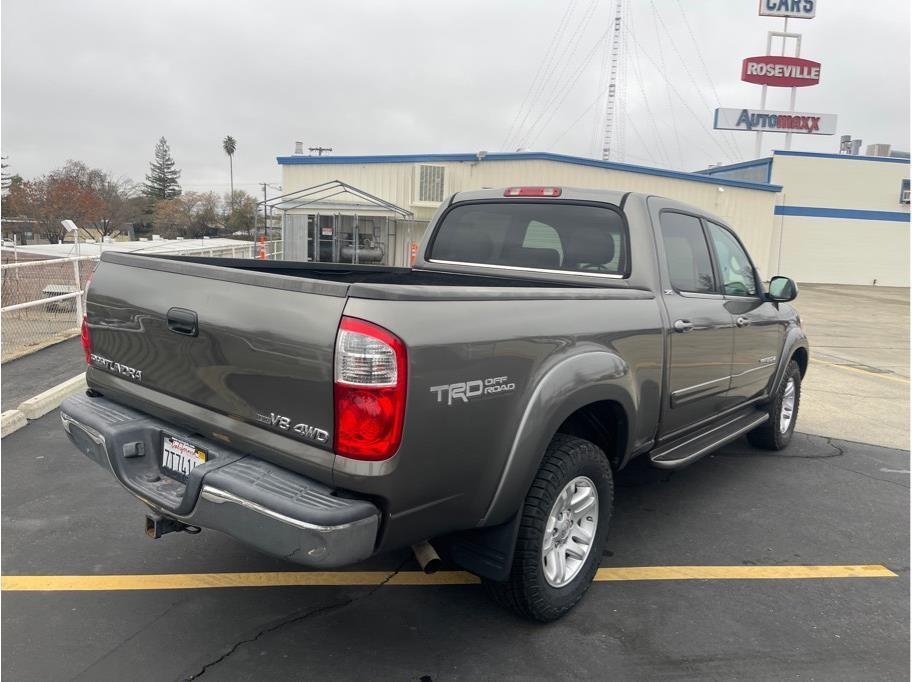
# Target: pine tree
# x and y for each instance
(6, 177)
(162, 181)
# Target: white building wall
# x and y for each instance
(749, 211)
(841, 249)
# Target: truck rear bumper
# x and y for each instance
(275, 510)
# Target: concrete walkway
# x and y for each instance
(32, 374)
(857, 386)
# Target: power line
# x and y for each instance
(709, 78)
(638, 76)
(558, 34)
(599, 114)
(561, 95)
(579, 118)
(643, 144)
(699, 121)
(674, 125)
(557, 71)
(690, 75)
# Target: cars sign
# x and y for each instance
(782, 72)
(798, 9)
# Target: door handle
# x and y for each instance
(743, 322)
(682, 326)
(183, 321)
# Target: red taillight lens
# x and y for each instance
(532, 192)
(86, 340)
(370, 374)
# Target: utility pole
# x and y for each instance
(319, 150)
(612, 102)
(263, 184)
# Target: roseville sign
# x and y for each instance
(798, 9)
(781, 72)
(761, 120)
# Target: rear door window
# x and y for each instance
(687, 253)
(542, 236)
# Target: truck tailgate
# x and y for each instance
(253, 346)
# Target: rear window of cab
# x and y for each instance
(565, 237)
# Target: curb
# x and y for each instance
(41, 404)
(11, 421)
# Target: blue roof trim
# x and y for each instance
(526, 156)
(736, 166)
(848, 213)
(849, 157)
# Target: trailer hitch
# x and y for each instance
(157, 525)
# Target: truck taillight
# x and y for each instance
(369, 389)
(86, 340)
(532, 192)
(84, 330)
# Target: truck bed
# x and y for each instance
(367, 274)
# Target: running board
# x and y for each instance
(690, 448)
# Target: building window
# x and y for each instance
(430, 184)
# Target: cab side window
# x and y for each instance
(687, 253)
(735, 267)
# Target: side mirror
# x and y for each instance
(782, 289)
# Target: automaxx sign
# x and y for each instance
(782, 72)
(762, 120)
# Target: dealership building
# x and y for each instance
(821, 218)
(838, 218)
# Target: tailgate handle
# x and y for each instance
(183, 321)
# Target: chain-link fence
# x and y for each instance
(42, 301)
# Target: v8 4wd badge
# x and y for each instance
(284, 424)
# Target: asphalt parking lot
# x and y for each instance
(768, 518)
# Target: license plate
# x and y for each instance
(179, 457)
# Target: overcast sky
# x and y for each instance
(101, 81)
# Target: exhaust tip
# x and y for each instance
(427, 557)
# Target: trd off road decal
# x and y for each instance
(476, 389)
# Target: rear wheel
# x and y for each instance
(776, 432)
(562, 530)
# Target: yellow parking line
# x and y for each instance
(190, 581)
(858, 370)
(742, 572)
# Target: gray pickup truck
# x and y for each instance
(481, 400)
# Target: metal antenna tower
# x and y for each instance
(612, 108)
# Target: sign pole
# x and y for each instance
(788, 136)
(784, 70)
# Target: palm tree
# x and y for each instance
(229, 144)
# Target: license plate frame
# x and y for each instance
(179, 457)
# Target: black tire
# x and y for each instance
(527, 592)
(769, 435)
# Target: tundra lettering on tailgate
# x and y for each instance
(477, 388)
(117, 368)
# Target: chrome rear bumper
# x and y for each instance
(273, 509)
